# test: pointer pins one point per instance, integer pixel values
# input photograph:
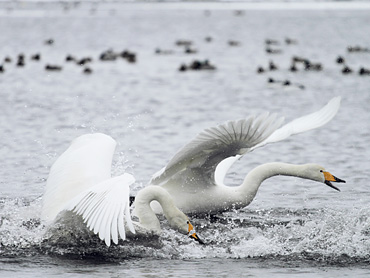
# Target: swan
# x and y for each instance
(195, 175)
(80, 181)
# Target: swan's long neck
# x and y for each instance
(248, 189)
(147, 217)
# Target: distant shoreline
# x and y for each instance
(192, 5)
(273, 5)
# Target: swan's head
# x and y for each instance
(318, 173)
(182, 224)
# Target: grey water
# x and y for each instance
(292, 228)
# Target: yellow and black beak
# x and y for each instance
(192, 234)
(330, 178)
(196, 238)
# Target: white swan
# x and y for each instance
(194, 176)
(80, 181)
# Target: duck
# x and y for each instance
(260, 69)
(233, 43)
(270, 50)
(272, 66)
(182, 42)
(21, 60)
(108, 55)
(290, 41)
(70, 58)
(87, 70)
(49, 67)
(309, 66)
(208, 39)
(346, 70)
(271, 42)
(129, 56)
(49, 41)
(36, 57)
(183, 67)
(364, 71)
(189, 50)
(84, 61)
(293, 67)
(160, 51)
(7, 59)
(340, 60)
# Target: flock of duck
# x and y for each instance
(110, 55)
(272, 47)
(85, 62)
(301, 63)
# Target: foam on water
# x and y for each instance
(322, 237)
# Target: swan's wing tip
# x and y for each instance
(328, 112)
(305, 123)
(105, 208)
(336, 102)
(337, 98)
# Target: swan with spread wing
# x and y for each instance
(80, 181)
(194, 177)
(192, 182)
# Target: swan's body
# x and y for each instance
(80, 181)
(194, 176)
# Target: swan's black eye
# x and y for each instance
(187, 222)
(321, 171)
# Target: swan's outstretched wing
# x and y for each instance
(84, 164)
(105, 208)
(215, 144)
(228, 142)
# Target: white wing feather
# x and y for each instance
(85, 163)
(215, 144)
(305, 123)
(104, 206)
